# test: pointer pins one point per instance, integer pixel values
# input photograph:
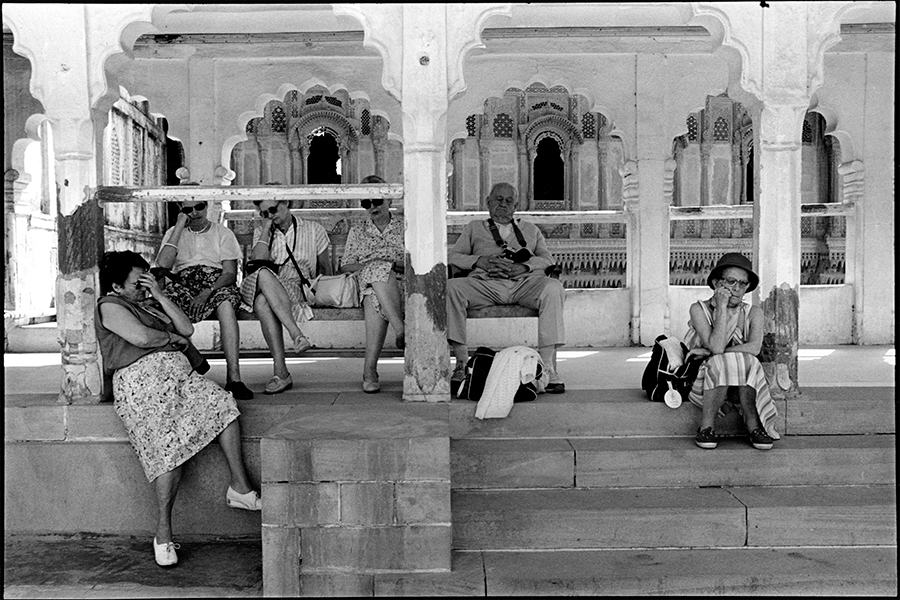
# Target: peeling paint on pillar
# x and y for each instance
(780, 343)
(80, 248)
(427, 365)
(81, 238)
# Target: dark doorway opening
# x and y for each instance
(549, 171)
(323, 164)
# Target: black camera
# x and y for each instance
(521, 255)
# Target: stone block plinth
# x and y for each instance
(354, 491)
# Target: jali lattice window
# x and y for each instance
(366, 122)
(720, 130)
(588, 127)
(471, 127)
(279, 120)
(503, 126)
(692, 128)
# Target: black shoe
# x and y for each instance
(761, 440)
(239, 390)
(456, 379)
(706, 438)
(555, 388)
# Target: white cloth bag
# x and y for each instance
(512, 367)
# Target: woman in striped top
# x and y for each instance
(729, 332)
(278, 298)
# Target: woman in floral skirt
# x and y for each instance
(170, 412)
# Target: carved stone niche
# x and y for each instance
(344, 134)
(568, 137)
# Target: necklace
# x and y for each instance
(203, 230)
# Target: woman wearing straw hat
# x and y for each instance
(729, 332)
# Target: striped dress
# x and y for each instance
(733, 369)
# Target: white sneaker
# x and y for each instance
(165, 553)
(248, 501)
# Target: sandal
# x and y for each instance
(301, 344)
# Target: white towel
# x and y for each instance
(674, 351)
(511, 367)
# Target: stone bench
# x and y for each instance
(356, 314)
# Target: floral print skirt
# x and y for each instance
(375, 271)
(169, 411)
(193, 281)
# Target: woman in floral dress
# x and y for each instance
(170, 412)
(375, 252)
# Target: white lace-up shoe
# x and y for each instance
(248, 501)
(165, 553)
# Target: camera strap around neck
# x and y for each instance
(304, 282)
(500, 241)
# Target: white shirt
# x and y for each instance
(210, 248)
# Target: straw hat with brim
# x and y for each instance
(733, 259)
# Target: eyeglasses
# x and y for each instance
(367, 204)
(732, 282)
(269, 212)
(197, 207)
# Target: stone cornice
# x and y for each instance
(488, 33)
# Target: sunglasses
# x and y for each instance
(269, 212)
(367, 204)
(197, 207)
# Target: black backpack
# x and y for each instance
(477, 370)
(657, 374)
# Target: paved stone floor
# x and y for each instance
(580, 368)
(117, 567)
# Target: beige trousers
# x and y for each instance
(545, 294)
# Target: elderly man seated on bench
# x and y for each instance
(507, 258)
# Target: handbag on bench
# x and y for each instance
(340, 291)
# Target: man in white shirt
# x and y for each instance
(507, 258)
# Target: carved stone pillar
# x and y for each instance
(80, 235)
(425, 103)
(777, 235)
(295, 160)
(304, 157)
(484, 179)
(529, 199)
(737, 173)
(379, 146)
(853, 193)
(522, 153)
(602, 157)
(704, 172)
(348, 171)
(263, 163)
(631, 204)
(573, 180)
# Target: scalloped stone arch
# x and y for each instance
(565, 128)
(344, 129)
